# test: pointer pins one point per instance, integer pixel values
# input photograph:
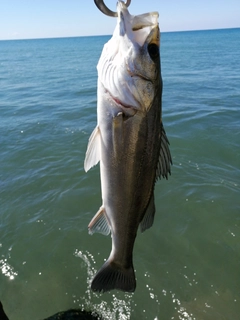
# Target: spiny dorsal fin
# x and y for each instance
(148, 218)
(93, 150)
(165, 159)
(99, 223)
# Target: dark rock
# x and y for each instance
(64, 315)
(2, 313)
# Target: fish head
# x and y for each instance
(129, 67)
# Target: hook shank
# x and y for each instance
(104, 9)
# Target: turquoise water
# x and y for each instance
(187, 265)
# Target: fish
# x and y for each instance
(129, 141)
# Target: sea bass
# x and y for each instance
(129, 141)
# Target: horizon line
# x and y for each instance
(105, 35)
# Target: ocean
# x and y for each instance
(188, 264)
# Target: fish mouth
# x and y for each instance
(136, 27)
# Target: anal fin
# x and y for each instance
(148, 218)
(99, 223)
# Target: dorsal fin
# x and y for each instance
(165, 159)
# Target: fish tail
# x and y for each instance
(113, 276)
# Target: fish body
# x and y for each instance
(129, 141)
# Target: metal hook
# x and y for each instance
(104, 9)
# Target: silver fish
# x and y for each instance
(129, 141)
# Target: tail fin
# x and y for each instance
(112, 276)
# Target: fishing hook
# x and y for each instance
(104, 9)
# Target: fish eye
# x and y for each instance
(153, 50)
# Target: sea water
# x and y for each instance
(188, 264)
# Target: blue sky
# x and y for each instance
(23, 19)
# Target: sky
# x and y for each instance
(30, 19)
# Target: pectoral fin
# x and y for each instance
(148, 218)
(99, 223)
(93, 150)
(165, 159)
